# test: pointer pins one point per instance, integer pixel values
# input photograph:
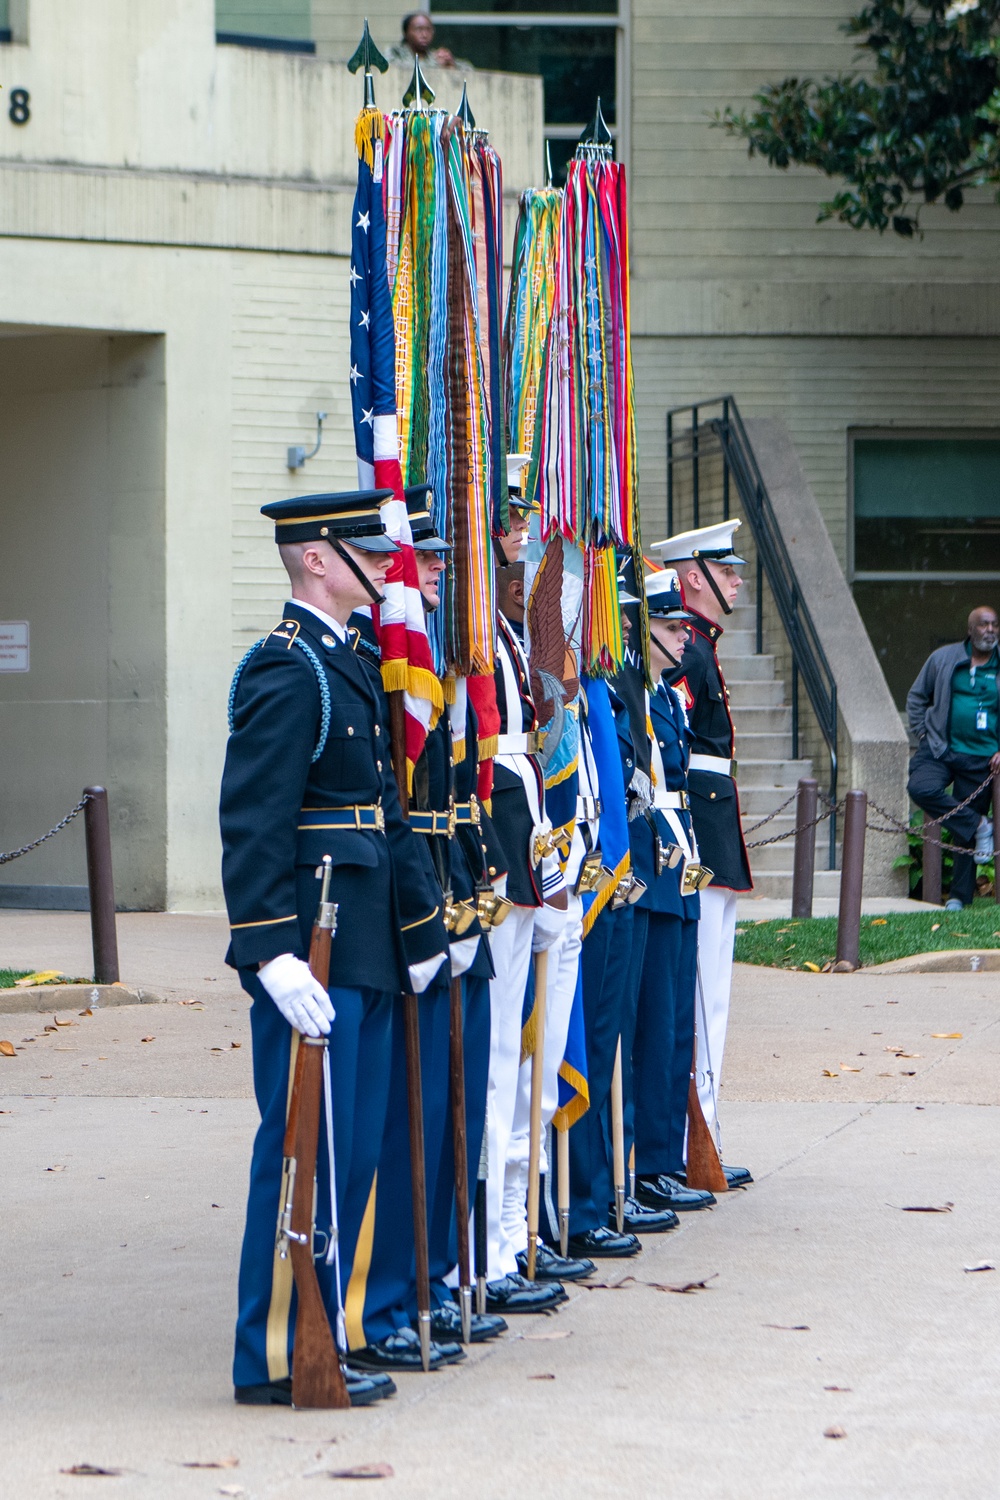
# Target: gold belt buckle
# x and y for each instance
(474, 812)
(684, 801)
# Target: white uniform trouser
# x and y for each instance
(564, 962)
(716, 937)
(510, 944)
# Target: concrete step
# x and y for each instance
(771, 773)
(755, 692)
(748, 669)
(781, 856)
(777, 883)
(760, 718)
(759, 745)
(755, 801)
(737, 643)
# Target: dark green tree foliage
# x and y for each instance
(918, 126)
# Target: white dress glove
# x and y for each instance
(463, 954)
(300, 997)
(547, 927)
(422, 973)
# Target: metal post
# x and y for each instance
(805, 848)
(996, 834)
(100, 879)
(851, 880)
(695, 498)
(932, 863)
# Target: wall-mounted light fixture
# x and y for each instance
(297, 454)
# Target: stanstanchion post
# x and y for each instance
(805, 848)
(100, 879)
(851, 880)
(932, 862)
(996, 834)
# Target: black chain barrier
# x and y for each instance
(5, 859)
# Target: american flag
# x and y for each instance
(406, 654)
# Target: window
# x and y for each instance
(573, 44)
(5, 33)
(281, 25)
(925, 541)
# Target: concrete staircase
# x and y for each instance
(767, 773)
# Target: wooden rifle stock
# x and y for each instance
(704, 1169)
(317, 1379)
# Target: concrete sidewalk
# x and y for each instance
(829, 1307)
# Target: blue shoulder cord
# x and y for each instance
(324, 690)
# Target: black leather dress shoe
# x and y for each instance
(552, 1267)
(603, 1241)
(446, 1325)
(641, 1219)
(735, 1176)
(515, 1294)
(363, 1389)
(667, 1192)
(401, 1351)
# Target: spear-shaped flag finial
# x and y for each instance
(368, 56)
(419, 94)
(465, 114)
(597, 132)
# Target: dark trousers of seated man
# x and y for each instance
(928, 788)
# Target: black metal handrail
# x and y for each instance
(691, 443)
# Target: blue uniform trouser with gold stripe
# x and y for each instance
(359, 1063)
(442, 1228)
(664, 1044)
(605, 968)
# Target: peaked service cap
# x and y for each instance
(353, 516)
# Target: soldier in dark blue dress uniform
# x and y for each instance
(664, 1033)
(308, 774)
(436, 813)
(707, 568)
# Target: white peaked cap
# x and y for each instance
(663, 581)
(517, 464)
(714, 542)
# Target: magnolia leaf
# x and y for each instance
(91, 1471)
(7, 1049)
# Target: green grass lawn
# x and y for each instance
(787, 944)
(8, 977)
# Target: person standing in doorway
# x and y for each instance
(953, 713)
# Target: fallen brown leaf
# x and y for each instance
(981, 1265)
(844, 1389)
(846, 1068)
(562, 1333)
(7, 1049)
(936, 925)
(907, 1072)
(363, 1471)
(829, 1073)
(236, 1044)
(947, 1036)
(55, 1169)
(834, 1432)
(87, 1012)
(813, 968)
(147, 1039)
(231, 1489)
(91, 1471)
(63, 1023)
(211, 1463)
(682, 1287)
(541, 1377)
(788, 1327)
(923, 1208)
(879, 922)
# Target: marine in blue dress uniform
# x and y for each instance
(707, 567)
(307, 774)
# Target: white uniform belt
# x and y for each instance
(712, 763)
(677, 801)
(519, 744)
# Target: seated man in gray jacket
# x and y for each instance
(953, 712)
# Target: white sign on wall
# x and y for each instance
(14, 652)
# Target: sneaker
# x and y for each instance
(984, 841)
(953, 904)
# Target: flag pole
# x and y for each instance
(368, 56)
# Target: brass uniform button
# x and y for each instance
(493, 869)
(378, 730)
(711, 796)
(328, 640)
